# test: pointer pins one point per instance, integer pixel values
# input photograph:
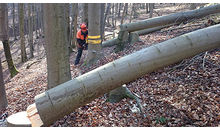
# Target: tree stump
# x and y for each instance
(121, 40)
(18, 120)
(120, 93)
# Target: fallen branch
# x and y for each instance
(30, 64)
(203, 64)
(193, 60)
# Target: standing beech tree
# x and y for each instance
(57, 53)
(94, 38)
(23, 49)
(30, 31)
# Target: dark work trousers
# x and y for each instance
(79, 54)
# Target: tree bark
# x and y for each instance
(3, 98)
(30, 31)
(75, 25)
(103, 22)
(122, 40)
(5, 40)
(151, 6)
(56, 44)
(102, 19)
(94, 38)
(85, 14)
(23, 49)
(13, 20)
(65, 98)
(72, 33)
(168, 19)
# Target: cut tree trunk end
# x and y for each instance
(18, 120)
(33, 116)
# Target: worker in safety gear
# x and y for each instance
(82, 38)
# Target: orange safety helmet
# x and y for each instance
(83, 27)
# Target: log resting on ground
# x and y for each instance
(169, 19)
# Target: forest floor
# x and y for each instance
(182, 94)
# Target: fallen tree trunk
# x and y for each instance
(168, 19)
(109, 43)
(149, 30)
(134, 36)
(65, 98)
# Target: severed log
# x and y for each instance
(65, 98)
(168, 19)
(109, 43)
(134, 36)
(149, 30)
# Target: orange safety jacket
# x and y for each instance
(81, 37)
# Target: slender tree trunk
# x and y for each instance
(5, 40)
(71, 24)
(123, 15)
(13, 15)
(30, 31)
(135, 9)
(94, 38)
(65, 98)
(56, 44)
(132, 10)
(85, 13)
(126, 8)
(103, 22)
(116, 10)
(102, 19)
(68, 25)
(3, 98)
(119, 10)
(151, 9)
(147, 7)
(75, 25)
(35, 20)
(113, 15)
(23, 49)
